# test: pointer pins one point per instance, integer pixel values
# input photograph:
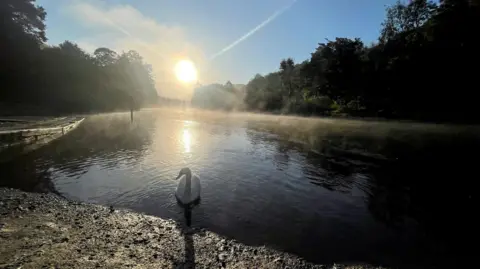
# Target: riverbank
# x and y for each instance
(48, 231)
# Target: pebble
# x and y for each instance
(222, 256)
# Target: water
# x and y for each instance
(397, 194)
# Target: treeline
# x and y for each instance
(423, 67)
(165, 101)
(227, 97)
(64, 78)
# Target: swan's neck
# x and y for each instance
(188, 184)
(188, 180)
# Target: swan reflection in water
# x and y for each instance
(188, 239)
(188, 232)
(188, 196)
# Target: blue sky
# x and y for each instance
(164, 31)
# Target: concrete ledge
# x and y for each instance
(37, 131)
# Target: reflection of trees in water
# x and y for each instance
(325, 165)
(23, 174)
(105, 140)
(435, 180)
(281, 157)
(426, 177)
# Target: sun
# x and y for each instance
(185, 71)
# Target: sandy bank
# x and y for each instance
(47, 231)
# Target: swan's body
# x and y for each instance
(188, 189)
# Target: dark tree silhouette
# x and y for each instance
(420, 69)
(64, 78)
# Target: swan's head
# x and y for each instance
(184, 171)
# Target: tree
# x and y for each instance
(22, 18)
(217, 97)
(65, 78)
(286, 71)
(22, 30)
(420, 69)
(229, 86)
(72, 49)
(255, 92)
(406, 17)
(423, 50)
(343, 62)
(105, 56)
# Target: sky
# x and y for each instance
(226, 39)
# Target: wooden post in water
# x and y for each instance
(131, 109)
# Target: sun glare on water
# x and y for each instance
(187, 140)
(185, 71)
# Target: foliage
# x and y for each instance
(22, 19)
(406, 17)
(64, 78)
(226, 97)
(421, 69)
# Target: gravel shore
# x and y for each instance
(48, 231)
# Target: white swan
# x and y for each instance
(188, 189)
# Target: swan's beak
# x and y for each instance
(179, 175)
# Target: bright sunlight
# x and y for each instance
(187, 140)
(185, 71)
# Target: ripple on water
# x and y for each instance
(326, 195)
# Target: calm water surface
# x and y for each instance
(327, 190)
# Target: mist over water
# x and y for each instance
(328, 190)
